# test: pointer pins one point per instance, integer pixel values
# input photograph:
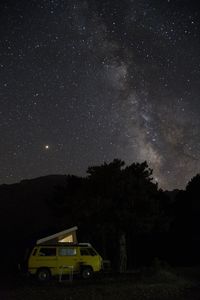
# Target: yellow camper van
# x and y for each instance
(64, 259)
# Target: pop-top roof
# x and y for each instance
(57, 236)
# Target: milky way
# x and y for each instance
(83, 82)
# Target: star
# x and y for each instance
(89, 83)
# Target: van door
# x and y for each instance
(68, 260)
(90, 257)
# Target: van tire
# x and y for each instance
(43, 274)
(87, 272)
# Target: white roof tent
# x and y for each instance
(65, 236)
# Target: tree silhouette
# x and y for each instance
(123, 199)
(114, 201)
(186, 223)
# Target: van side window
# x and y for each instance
(67, 251)
(84, 251)
(92, 252)
(87, 251)
(47, 252)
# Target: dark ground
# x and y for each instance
(176, 284)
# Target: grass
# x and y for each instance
(146, 284)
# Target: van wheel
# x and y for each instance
(87, 273)
(43, 274)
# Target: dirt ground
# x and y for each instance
(181, 284)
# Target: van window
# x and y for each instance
(87, 251)
(92, 252)
(34, 251)
(47, 252)
(67, 251)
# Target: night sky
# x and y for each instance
(83, 82)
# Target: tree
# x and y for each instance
(186, 223)
(116, 201)
(124, 200)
